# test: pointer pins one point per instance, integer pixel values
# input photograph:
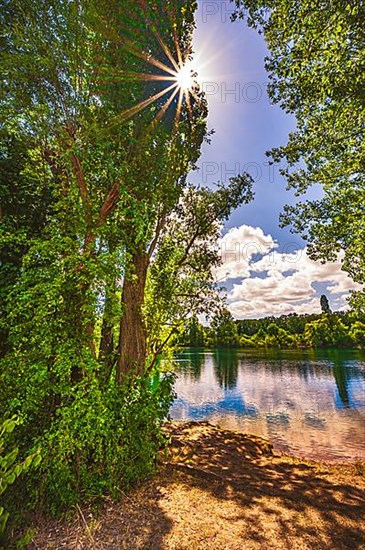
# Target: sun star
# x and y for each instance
(180, 75)
(185, 77)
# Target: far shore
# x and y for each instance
(267, 348)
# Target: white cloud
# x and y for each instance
(238, 247)
(286, 284)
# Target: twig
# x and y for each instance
(86, 524)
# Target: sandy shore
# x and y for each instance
(221, 490)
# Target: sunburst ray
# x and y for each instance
(142, 105)
(180, 75)
(162, 111)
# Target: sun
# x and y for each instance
(186, 77)
(181, 74)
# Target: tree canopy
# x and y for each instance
(316, 72)
(327, 330)
(106, 249)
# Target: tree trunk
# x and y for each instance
(132, 337)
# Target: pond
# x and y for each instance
(309, 404)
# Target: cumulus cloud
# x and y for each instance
(238, 246)
(276, 283)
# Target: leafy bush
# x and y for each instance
(103, 441)
(328, 331)
(357, 333)
(10, 470)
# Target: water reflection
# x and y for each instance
(226, 367)
(309, 403)
(196, 362)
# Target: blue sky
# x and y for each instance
(230, 60)
(245, 122)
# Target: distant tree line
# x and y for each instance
(325, 330)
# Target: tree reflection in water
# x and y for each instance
(225, 363)
(311, 403)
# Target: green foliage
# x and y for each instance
(84, 186)
(357, 333)
(26, 201)
(335, 330)
(102, 442)
(328, 331)
(181, 283)
(194, 333)
(223, 330)
(10, 468)
(278, 337)
(316, 72)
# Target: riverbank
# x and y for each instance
(223, 490)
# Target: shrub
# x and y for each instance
(10, 469)
(103, 441)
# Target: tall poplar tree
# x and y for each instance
(101, 141)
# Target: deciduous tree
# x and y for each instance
(316, 71)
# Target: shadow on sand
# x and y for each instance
(224, 490)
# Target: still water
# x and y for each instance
(309, 404)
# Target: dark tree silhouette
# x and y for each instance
(325, 305)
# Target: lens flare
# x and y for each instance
(177, 70)
(185, 77)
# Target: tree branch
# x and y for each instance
(160, 223)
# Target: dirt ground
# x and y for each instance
(220, 490)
